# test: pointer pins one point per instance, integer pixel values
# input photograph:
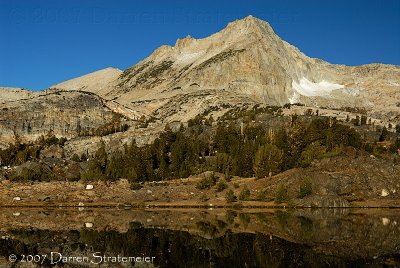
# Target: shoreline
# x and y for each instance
(179, 193)
(180, 205)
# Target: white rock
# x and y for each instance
(88, 224)
(16, 214)
(17, 198)
(384, 192)
(81, 204)
(385, 221)
(89, 187)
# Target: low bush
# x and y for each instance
(207, 182)
(221, 185)
(230, 196)
(244, 194)
(136, 186)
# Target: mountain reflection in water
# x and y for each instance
(204, 238)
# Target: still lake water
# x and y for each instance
(199, 238)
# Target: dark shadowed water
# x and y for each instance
(199, 238)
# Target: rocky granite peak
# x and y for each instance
(180, 43)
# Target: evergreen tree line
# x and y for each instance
(246, 151)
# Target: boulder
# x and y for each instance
(89, 187)
(53, 151)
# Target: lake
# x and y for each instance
(88, 237)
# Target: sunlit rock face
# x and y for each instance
(60, 113)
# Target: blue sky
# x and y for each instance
(43, 42)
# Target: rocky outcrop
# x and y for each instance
(8, 94)
(64, 114)
(53, 151)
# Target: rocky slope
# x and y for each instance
(96, 82)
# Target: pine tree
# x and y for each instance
(384, 134)
(101, 157)
(363, 120)
(268, 160)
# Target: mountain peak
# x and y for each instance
(250, 23)
(235, 31)
(246, 60)
(184, 42)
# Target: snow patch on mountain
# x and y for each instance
(310, 89)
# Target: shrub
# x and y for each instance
(76, 158)
(207, 183)
(244, 219)
(282, 194)
(244, 194)
(230, 196)
(204, 198)
(221, 185)
(84, 157)
(305, 187)
(261, 196)
(136, 186)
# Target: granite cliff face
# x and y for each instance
(65, 114)
(243, 65)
